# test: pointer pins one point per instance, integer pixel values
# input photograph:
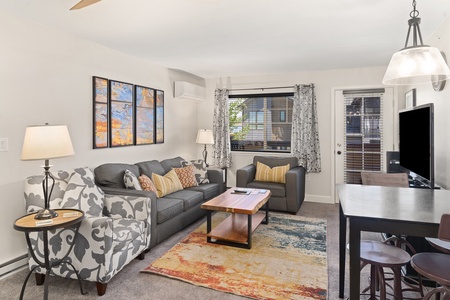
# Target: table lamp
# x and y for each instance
(205, 136)
(46, 142)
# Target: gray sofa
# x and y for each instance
(285, 197)
(171, 213)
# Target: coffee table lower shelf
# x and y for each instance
(234, 230)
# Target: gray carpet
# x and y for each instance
(131, 284)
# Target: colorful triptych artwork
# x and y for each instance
(126, 114)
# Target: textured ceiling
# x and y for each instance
(213, 38)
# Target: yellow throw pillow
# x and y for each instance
(268, 174)
(166, 184)
(186, 176)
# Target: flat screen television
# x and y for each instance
(416, 131)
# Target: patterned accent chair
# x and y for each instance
(116, 229)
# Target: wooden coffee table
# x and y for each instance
(237, 229)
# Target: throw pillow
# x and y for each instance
(186, 176)
(131, 181)
(200, 170)
(83, 194)
(268, 174)
(147, 184)
(166, 184)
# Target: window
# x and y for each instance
(364, 131)
(261, 122)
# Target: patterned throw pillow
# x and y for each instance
(268, 174)
(131, 181)
(186, 176)
(201, 174)
(166, 184)
(147, 184)
(82, 193)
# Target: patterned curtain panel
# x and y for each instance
(305, 132)
(221, 130)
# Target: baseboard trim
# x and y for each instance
(319, 199)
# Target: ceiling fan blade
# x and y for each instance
(84, 3)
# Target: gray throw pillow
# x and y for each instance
(131, 181)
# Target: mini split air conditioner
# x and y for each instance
(189, 91)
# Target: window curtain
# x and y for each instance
(305, 134)
(221, 129)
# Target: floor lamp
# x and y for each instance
(46, 142)
(205, 136)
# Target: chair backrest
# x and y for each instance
(385, 179)
(444, 228)
(273, 161)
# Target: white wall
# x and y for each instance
(319, 186)
(46, 76)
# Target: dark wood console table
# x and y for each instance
(406, 211)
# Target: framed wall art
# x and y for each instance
(159, 116)
(101, 112)
(122, 114)
(145, 115)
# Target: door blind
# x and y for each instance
(363, 143)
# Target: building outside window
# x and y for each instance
(261, 123)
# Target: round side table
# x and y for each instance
(66, 218)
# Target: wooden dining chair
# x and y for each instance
(436, 266)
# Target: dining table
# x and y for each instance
(395, 210)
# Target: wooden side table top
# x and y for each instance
(238, 203)
(66, 217)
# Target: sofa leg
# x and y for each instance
(101, 288)
(141, 256)
(40, 278)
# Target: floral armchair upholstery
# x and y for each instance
(116, 229)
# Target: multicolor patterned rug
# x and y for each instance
(287, 261)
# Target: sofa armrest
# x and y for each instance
(245, 175)
(295, 188)
(215, 175)
(136, 193)
(131, 207)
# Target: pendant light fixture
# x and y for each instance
(418, 63)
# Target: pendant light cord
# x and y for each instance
(414, 13)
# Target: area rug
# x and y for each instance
(287, 260)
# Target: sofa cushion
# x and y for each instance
(167, 208)
(150, 167)
(268, 174)
(199, 169)
(83, 194)
(169, 164)
(111, 174)
(147, 184)
(167, 184)
(209, 190)
(190, 198)
(131, 181)
(277, 189)
(186, 176)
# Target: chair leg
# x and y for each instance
(397, 283)
(40, 278)
(141, 256)
(101, 288)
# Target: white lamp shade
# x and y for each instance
(416, 65)
(45, 142)
(205, 136)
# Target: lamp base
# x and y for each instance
(46, 213)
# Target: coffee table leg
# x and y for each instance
(249, 231)
(208, 225)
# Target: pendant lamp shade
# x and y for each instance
(418, 63)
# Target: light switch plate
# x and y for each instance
(4, 144)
